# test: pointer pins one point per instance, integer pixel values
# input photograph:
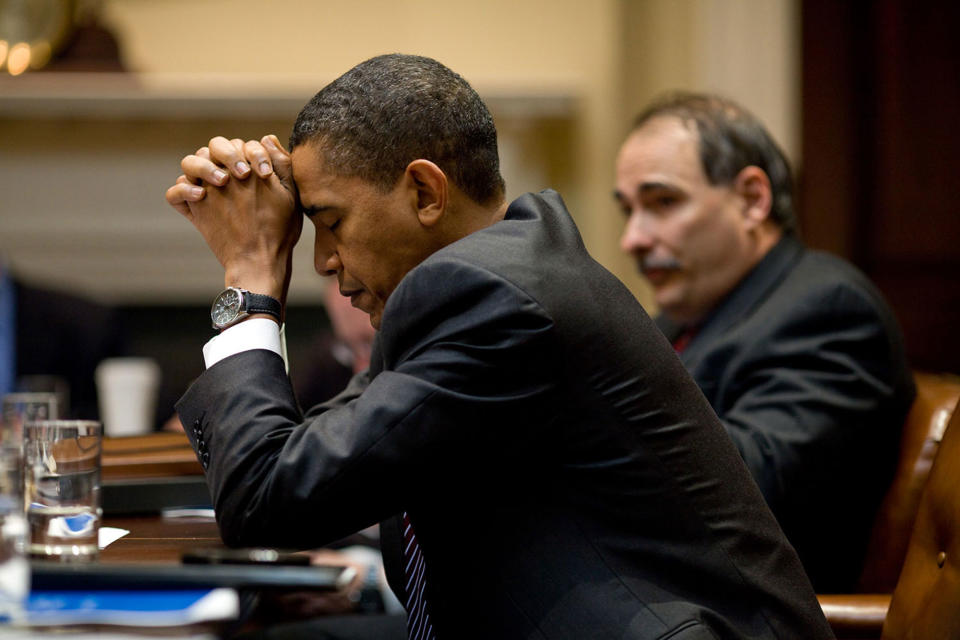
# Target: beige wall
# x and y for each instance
(748, 50)
(495, 39)
(562, 78)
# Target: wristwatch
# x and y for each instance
(233, 305)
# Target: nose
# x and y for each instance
(326, 260)
(637, 236)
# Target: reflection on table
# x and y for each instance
(157, 540)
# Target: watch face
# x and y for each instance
(226, 308)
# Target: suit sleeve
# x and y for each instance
(816, 390)
(467, 360)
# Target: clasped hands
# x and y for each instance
(242, 198)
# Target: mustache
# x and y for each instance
(654, 262)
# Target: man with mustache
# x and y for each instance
(795, 350)
(545, 466)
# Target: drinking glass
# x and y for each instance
(51, 385)
(26, 406)
(62, 488)
(14, 569)
(17, 409)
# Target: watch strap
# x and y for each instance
(260, 303)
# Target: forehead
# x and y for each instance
(663, 150)
(318, 186)
(308, 167)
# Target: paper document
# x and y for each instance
(109, 535)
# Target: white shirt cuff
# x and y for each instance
(255, 333)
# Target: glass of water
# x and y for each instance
(62, 488)
(14, 570)
(26, 406)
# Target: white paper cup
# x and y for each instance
(127, 393)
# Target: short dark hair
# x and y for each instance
(731, 138)
(386, 112)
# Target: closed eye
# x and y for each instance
(320, 214)
(666, 201)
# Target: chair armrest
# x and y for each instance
(855, 615)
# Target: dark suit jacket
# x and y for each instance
(564, 474)
(66, 336)
(804, 364)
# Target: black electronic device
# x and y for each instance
(244, 556)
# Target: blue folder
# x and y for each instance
(142, 608)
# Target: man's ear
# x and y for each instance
(430, 185)
(753, 185)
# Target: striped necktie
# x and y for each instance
(419, 626)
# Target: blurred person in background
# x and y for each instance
(796, 350)
(334, 356)
(53, 341)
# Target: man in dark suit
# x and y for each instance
(548, 468)
(56, 336)
(795, 350)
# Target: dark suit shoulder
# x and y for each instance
(59, 308)
(815, 285)
(818, 271)
(824, 295)
(63, 334)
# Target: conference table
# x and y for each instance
(144, 478)
(158, 540)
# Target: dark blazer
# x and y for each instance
(564, 474)
(66, 336)
(804, 364)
